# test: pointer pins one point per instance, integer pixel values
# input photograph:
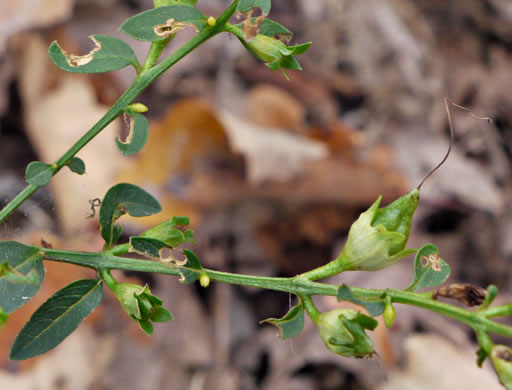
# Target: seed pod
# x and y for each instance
(343, 332)
(501, 357)
(378, 238)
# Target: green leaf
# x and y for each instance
(163, 3)
(142, 26)
(246, 5)
(375, 307)
(108, 54)
(429, 269)
(38, 173)
(120, 199)
(292, 323)
(23, 259)
(146, 326)
(149, 247)
(57, 318)
(138, 126)
(77, 166)
(270, 28)
(191, 271)
(161, 314)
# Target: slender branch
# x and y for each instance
(146, 78)
(297, 285)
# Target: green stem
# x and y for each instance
(498, 311)
(296, 285)
(140, 84)
(155, 51)
(330, 269)
(310, 308)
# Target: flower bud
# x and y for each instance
(389, 315)
(378, 238)
(141, 305)
(343, 332)
(275, 53)
(501, 357)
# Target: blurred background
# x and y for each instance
(272, 173)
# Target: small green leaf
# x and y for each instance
(191, 271)
(270, 28)
(146, 326)
(161, 314)
(246, 5)
(38, 173)
(109, 54)
(57, 318)
(77, 166)
(291, 324)
(149, 247)
(429, 269)
(375, 307)
(120, 199)
(167, 232)
(180, 221)
(146, 25)
(138, 126)
(24, 260)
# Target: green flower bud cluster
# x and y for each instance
(141, 305)
(343, 332)
(378, 238)
(274, 53)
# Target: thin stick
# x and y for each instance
(452, 132)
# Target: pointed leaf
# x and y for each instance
(246, 5)
(23, 259)
(120, 199)
(138, 126)
(77, 166)
(159, 23)
(149, 247)
(38, 173)
(429, 269)
(108, 54)
(57, 318)
(375, 307)
(291, 324)
(161, 314)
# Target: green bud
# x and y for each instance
(389, 315)
(378, 238)
(343, 332)
(275, 53)
(141, 305)
(501, 357)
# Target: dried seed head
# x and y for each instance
(465, 293)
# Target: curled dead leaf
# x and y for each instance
(465, 293)
(251, 28)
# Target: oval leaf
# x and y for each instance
(138, 126)
(159, 23)
(375, 308)
(77, 166)
(246, 5)
(270, 28)
(291, 324)
(24, 260)
(108, 54)
(120, 199)
(38, 173)
(148, 247)
(57, 318)
(429, 269)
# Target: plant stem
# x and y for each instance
(140, 84)
(296, 285)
